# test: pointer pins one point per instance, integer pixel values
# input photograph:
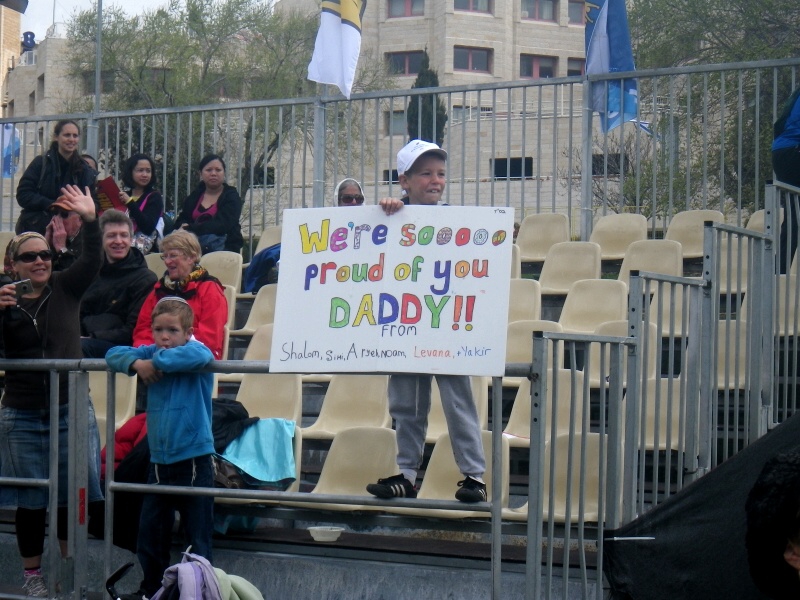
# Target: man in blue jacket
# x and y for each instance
(179, 434)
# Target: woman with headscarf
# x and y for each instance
(43, 323)
(348, 192)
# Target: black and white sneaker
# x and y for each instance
(396, 486)
(471, 490)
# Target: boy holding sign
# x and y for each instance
(421, 167)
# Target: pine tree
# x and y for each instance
(424, 121)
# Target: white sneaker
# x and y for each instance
(35, 586)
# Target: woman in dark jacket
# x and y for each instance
(212, 210)
(43, 323)
(42, 181)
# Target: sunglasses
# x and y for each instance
(62, 213)
(29, 257)
(350, 199)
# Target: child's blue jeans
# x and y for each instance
(158, 517)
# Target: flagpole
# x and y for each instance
(92, 133)
(318, 190)
(587, 212)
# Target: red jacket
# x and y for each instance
(207, 299)
(131, 433)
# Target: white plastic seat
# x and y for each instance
(261, 313)
(437, 424)
(566, 263)
(616, 231)
(656, 256)
(272, 395)
(516, 262)
(225, 266)
(661, 398)
(732, 355)
(568, 407)
(687, 228)
(538, 232)
(442, 476)
(569, 467)
(519, 344)
(620, 329)
(125, 393)
(155, 263)
(591, 302)
(270, 236)
(259, 348)
(734, 265)
(351, 401)
(524, 300)
(357, 457)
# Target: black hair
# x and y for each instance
(772, 521)
(208, 158)
(130, 165)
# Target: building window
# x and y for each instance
(106, 82)
(472, 59)
(511, 168)
(609, 164)
(483, 6)
(395, 122)
(40, 86)
(393, 173)
(540, 10)
(32, 103)
(10, 109)
(577, 12)
(537, 67)
(156, 76)
(576, 67)
(404, 63)
(406, 8)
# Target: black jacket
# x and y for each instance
(41, 185)
(110, 306)
(226, 221)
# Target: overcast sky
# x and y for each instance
(39, 15)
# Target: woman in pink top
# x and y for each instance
(212, 210)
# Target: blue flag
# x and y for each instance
(608, 50)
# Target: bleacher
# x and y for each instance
(615, 427)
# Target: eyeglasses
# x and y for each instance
(62, 213)
(172, 256)
(350, 199)
(29, 257)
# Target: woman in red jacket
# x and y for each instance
(186, 278)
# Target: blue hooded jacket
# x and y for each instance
(179, 404)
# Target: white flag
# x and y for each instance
(338, 44)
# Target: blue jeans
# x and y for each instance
(158, 517)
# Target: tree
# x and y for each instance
(426, 115)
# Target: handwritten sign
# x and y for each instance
(422, 291)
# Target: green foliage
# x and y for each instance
(426, 115)
(674, 33)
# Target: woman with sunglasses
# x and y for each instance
(43, 323)
(348, 192)
(40, 185)
(212, 210)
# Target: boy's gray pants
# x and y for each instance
(409, 404)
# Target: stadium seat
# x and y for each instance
(357, 457)
(261, 313)
(591, 302)
(540, 231)
(656, 256)
(125, 395)
(155, 263)
(687, 228)
(516, 262)
(649, 358)
(570, 472)
(519, 344)
(272, 395)
(566, 263)
(568, 407)
(661, 402)
(524, 300)
(258, 349)
(268, 238)
(733, 262)
(615, 232)
(351, 401)
(225, 266)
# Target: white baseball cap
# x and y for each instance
(409, 154)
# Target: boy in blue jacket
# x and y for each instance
(179, 434)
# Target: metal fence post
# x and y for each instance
(536, 467)
(630, 456)
(587, 212)
(78, 477)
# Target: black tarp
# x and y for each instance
(699, 546)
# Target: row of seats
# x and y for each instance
(360, 455)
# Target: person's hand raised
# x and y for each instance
(79, 202)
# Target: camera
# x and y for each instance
(22, 287)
